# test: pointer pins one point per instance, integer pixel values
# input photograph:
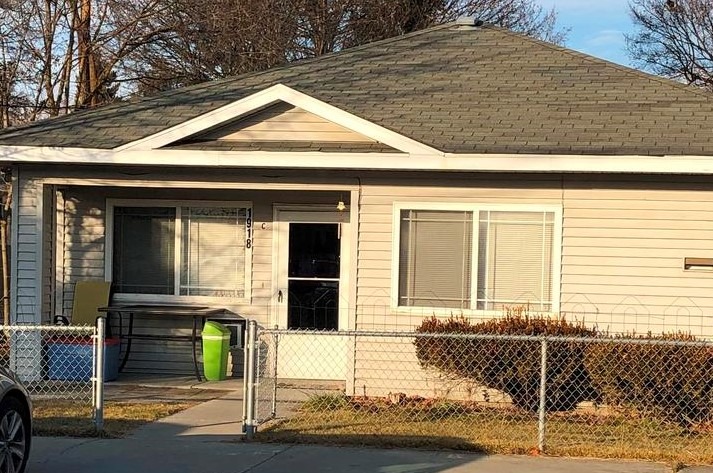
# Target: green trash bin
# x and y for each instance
(216, 345)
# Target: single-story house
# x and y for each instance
(456, 170)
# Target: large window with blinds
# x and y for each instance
(187, 249)
(476, 258)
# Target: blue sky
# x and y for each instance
(597, 26)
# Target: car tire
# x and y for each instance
(15, 435)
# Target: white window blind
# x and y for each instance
(512, 265)
(435, 258)
(213, 252)
(515, 259)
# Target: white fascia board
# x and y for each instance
(364, 161)
(276, 93)
(627, 164)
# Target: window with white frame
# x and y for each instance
(475, 258)
(181, 250)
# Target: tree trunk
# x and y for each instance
(82, 16)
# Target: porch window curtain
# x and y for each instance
(143, 255)
(212, 252)
(515, 259)
(435, 258)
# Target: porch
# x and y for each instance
(222, 240)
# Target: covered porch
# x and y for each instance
(258, 245)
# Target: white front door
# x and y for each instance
(312, 287)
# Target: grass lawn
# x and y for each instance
(492, 431)
(71, 419)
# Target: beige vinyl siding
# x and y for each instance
(28, 251)
(26, 281)
(83, 254)
(284, 122)
(624, 242)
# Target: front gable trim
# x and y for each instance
(276, 93)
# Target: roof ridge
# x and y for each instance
(309, 60)
(598, 60)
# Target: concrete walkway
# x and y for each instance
(207, 438)
(201, 454)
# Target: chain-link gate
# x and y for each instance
(636, 397)
(57, 363)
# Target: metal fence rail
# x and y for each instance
(602, 396)
(57, 363)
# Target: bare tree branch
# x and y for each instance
(674, 38)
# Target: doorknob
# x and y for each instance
(279, 296)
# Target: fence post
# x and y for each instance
(276, 341)
(98, 378)
(250, 382)
(246, 358)
(542, 417)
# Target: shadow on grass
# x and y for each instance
(71, 419)
(493, 432)
(74, 427)
(280, 432)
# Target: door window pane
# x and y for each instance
(143, 254)
(435, 258)
(313, 276)
(314, 250)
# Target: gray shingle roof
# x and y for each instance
(456, 88)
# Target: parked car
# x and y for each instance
(15, 423)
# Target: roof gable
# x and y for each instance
(219, 124)
(282, 122)
(282, 127)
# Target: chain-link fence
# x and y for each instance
(56, 363)
(604, 396)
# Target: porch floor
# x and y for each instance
(154, 387)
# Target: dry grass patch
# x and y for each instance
(490, 430)
(71, 419)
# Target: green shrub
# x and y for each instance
(669, 382)
(511, 366)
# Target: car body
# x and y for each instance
(15, 423)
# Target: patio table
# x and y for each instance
(196, 313)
